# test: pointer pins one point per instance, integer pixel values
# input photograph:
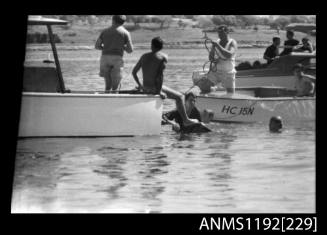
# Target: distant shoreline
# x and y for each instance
(140, 46)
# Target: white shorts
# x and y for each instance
(111, 65)
(226, 78)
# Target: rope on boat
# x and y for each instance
(213, 62)
(212, 66)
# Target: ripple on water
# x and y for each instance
(234, 168)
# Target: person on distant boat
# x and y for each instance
(191, 112)
(289, 44)
(153, 64)
(223, 52)
(275, 124)
(306, 46)
(272, 52)
(304, 83)
(113, 41)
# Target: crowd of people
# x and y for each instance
(116, 40)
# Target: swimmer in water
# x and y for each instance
(275, 124)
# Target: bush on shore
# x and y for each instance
(41, 38)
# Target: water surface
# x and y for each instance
(234, 169)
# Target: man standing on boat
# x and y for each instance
(153, 64)
(113, 41)
(222, 55)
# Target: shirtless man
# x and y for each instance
(113, 41)
(153, 64)
(223, 52)
(304, 84)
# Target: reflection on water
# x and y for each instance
(235, 168)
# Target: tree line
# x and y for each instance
(201, 21)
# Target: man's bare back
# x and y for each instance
(152, 64)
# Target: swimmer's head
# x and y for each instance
(156, 44)
(275, 124)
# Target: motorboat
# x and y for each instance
(257, 105)
(277, 74)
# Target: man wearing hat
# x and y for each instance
(113, 41)
(223, 54)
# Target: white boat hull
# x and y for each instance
(60, 115)
(286, 81)
(250, 110)
(251, 81)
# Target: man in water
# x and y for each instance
(304, 83)
(223, 54)
(275, 124)
(272, 51)
(153, 64)
(113, 41)
(191, 112)
(289, 44)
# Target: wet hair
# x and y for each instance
(277, 120)
(290, 32)
(275, 39)
(119, 19)
(223, 28)
(298, 66)
(157, 43)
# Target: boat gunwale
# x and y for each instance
(88, 95)
(260, 98)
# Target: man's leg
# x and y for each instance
(108, 81)
(179, 97)
(229, 82)
(116, 75)
(105, 72)
(116, 71)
